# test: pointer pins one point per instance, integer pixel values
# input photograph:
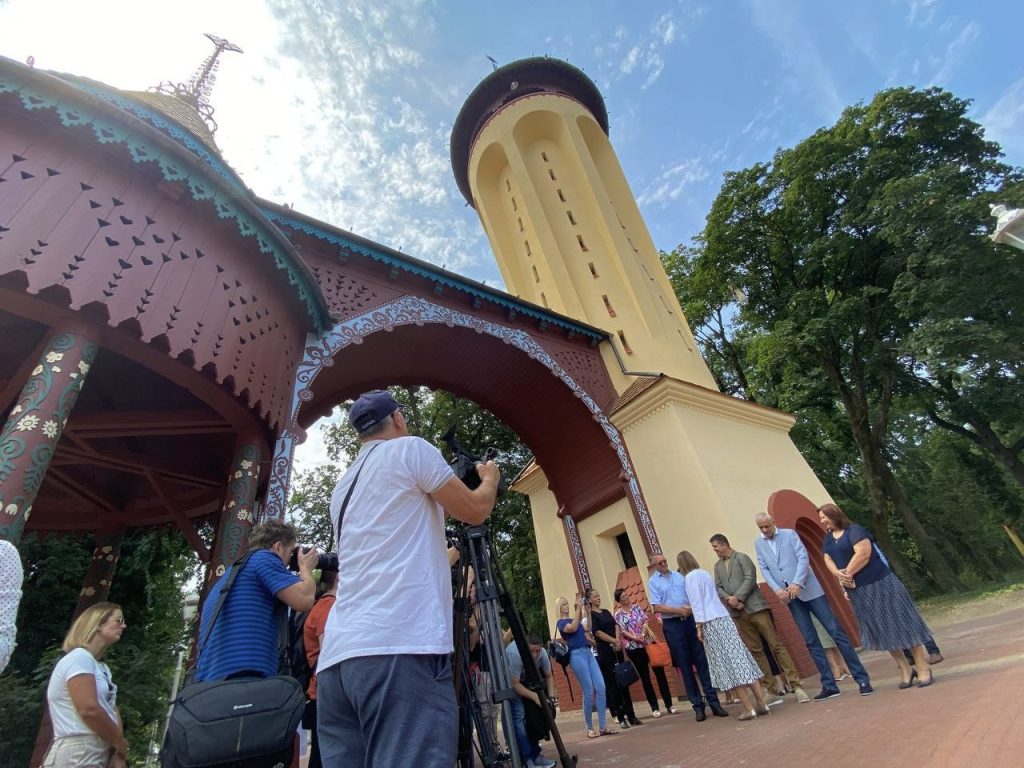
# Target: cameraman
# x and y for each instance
(385, 689)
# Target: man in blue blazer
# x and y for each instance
(782, 558)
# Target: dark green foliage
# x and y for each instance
(151, 573)
(850, 280)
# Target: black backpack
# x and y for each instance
(297, 649)
(558, 650)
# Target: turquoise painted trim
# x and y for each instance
(162, 123)
(173, 169)
(436, 275)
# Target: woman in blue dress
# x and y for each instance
(888, 618)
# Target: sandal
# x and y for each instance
(751, 715)
(608, 731)
(592, 734)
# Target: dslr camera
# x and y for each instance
(326, 561)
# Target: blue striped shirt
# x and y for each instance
(244, 637)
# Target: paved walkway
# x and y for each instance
(972, 717)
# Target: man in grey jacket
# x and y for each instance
(736, 581)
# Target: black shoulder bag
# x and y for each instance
(244, 721)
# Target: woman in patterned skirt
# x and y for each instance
(731, 665)
(889, 620)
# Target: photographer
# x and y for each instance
(385, 693)
(244, 640)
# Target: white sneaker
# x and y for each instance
(801, 695)
(541, 762)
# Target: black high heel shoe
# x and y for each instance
(909, 684)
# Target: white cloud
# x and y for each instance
(644, 54)
(921, 12)
(670, 184)
(1004, 120)
(955, 53)
(794, 42)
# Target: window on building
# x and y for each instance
(626, 551)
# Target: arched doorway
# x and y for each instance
(794, 510)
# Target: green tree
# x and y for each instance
(823, 261)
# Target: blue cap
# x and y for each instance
(371, 408)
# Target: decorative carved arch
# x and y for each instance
(413, 311)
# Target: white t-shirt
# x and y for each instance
(11, 577)
(704, 600)
(66, 721)
(394, 581)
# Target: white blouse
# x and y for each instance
(704, 599)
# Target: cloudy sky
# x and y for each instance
(344, 109)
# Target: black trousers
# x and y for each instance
(643, 667)
(688, 654)
(620, 703)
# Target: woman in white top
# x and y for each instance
(82, 697)
(731, 665)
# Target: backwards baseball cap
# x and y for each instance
(372, 408)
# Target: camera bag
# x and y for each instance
(240, 722)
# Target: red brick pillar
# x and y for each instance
(34, 427)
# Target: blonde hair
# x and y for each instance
(558, 604)
(687, 562)
(85, 627)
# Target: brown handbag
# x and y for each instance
(658, 654)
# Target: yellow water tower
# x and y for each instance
(531, 154)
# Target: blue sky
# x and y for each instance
(344, 108)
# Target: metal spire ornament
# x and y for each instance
(196, 92)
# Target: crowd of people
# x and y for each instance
(380, 638)
(721, 634)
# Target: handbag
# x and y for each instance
(658, 654)
(625, 673)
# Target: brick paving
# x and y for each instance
(973, 717)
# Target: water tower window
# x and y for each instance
(520, 220)
(625, 344)
(514, 206)
(508, 185)
(526, 244)
(626, 551)
(608, 306)
(544, 156)
(551, 173)
(572, 219)
(583, 246)
(561, 195)
(543, 299)
(593, 270)
(536, 276)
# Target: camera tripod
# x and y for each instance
(478, 556)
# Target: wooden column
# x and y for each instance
(100, 575)
(237, 515)
(36, 422)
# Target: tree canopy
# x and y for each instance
(850, 280)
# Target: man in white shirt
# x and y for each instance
(384, 679)
(667, 593)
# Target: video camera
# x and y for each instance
(464, 463)
(326, 561)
